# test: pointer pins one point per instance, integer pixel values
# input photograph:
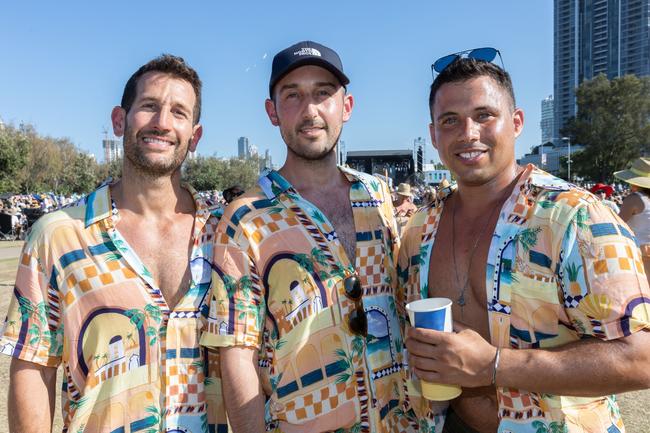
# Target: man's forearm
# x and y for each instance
(586, 368)
(241, 389)
(31, 397)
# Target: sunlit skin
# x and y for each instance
(474, 128)
(309, 106)
(158, 129)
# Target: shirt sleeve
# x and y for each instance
(237, 306)
(32, 330)
(605, 287)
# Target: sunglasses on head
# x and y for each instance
(357, 321)
(487, 54)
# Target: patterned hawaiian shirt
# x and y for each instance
(278, 287)
(84, 300)
(561, 267)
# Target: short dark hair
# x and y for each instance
(465, 68)
(167, 64)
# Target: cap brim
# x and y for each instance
(633, 178)
(316, 61)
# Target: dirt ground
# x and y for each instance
(634, 405)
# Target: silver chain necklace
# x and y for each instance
(461, 297)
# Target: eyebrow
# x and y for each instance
(318, 84)
(453, 113)
(445, 114)
(157, 101)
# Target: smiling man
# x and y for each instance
(113, 288)
(305, 274)
(549, 293)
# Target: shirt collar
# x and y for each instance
(365, 186)
(99, 205)
(544, 180)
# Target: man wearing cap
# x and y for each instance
(304, 274)
(549, 294)
(404, 206)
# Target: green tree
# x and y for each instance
(203, 173)
(613, 123)
(211, 173)
(14, 150)
(111, 170)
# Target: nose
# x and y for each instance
(162, 120)
(470, 131)
(310, 111)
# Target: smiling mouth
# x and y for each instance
(470, 155)
(158, 141)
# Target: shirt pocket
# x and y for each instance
(535, 309)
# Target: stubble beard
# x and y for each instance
(143, 164)
(304, 150)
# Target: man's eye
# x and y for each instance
(449, 121)
(325, 93)
(292, 95)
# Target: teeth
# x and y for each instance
(469, 155)
(155, 141)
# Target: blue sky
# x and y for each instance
(65, 63)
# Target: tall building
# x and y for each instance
(243, 148)
(592, 37)
(268, 162)
(112, 150)
(546, 124)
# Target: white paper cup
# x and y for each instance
(434, 313)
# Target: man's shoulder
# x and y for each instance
(72, 216)
(412, 232)
(547, 190)
(253, 200)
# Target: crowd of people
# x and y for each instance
(19, 211)
(285, 310)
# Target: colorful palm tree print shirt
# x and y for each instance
(85, 301)
(561, 267)
(278, 288)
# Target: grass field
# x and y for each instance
(634, 405)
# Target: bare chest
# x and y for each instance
(165, 252)
(457, 271)
(338, 210)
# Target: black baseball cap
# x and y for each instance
(306, 53)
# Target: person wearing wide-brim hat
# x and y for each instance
(404, 206)
(635, 210)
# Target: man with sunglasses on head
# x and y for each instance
(304, 274)
(549, 296)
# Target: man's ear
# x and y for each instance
(269, 105)
(518, 121)
(348, 103)
(196, 136)
(118, 118)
